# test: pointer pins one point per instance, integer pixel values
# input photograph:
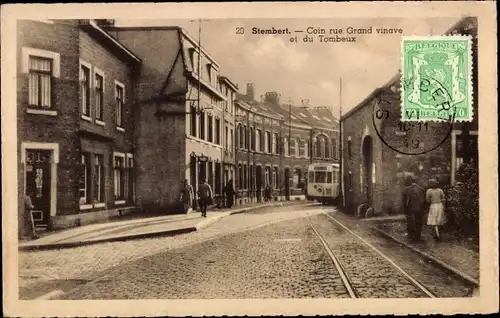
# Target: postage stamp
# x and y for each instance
(436, 78)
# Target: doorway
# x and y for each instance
(367, 168)
(258, 181)
(38, 168)
(287, 183)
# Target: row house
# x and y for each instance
(186, 115)
(75, 122)
(258, 148)
(373, 173)
(276, 143)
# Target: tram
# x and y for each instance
(323, 182)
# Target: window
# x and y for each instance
(349, 146)
(119, 178)
(231, 141)
(293, 147)
(275, 177)
(195, 61)
(240, 177)
(99, 96)
(252, 139)
(120, 99)
(275, 143)
(298, 147)
(327, 148)
(130, 178)
(210, 128)
(286, 146)
(217, 131)
(85, 179)
(320, 177)
(226, 138)
(257, 140)
(98, 193)
(245, 178)
(40, 82)
(322, 148)
(202, 126)
(317, 149)
(306, 149)
(85, 89)
(268, 142)
(311, 177)
(193, 120)
(297, 176)
(245, 137)
(334, 149)
(267, 175)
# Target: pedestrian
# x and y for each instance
(435, 197)
(205, 195)
(414, 207)
(28, 217)
(229, 191)
(187, 196)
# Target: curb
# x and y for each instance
(200, 225)
(431, 258)
(106, 240)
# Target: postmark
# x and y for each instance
(409, 137)
(436, 81)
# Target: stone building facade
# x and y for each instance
(75, 126)
(373, 173)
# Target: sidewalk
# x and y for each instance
(136, 228)
(462, 258)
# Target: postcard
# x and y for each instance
(249, 159)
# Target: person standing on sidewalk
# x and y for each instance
(435, 197)
(205, 195)
(414, 207)
(187, 196)
(229, 191)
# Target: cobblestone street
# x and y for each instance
(270, 253)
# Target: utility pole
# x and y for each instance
(341, 152)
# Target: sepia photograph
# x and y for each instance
(254, 158)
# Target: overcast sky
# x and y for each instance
(306, 70)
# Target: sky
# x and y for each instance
(306, 71)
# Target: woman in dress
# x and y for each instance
(435, 197)
(187, 196)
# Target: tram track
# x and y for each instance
(349, 274)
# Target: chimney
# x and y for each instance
(251, 90)
(273, 98)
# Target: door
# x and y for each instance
(287, 183)
(38, 184)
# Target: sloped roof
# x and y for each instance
(294, 118)
(258, 107)
(318, 117)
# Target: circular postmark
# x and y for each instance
(413, 136)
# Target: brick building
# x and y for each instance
(185, 115)
(373, 173)
(275, 142)
(75, 127)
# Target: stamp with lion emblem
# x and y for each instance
(436, 81)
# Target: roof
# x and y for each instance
(228, 82)
(289, 115)
(258, 107)
(99, 33)
(318, 117)
(458, 26)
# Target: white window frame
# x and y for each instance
(87, 117)
(297, 147)
(266, 142)
(98, 71)
(122, 86)
(306, 149)
(56, 69)
(26, 52)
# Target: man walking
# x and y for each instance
(414, 207)
(205, 195)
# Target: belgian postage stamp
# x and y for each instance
(436, 78)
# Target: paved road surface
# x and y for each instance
(271, 253)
